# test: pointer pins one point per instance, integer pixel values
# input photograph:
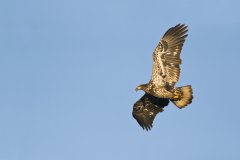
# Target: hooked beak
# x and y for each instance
(136, 89)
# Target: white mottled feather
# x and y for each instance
(166, 57)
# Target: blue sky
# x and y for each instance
(69, 70)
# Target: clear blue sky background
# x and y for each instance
(69, 70)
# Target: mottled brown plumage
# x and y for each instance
(165, 74)
(166, 68)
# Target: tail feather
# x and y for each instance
(185, 96)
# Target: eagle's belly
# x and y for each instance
(161, 92)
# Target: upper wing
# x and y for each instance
(146, 109)
(166, 57)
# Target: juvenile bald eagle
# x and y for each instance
(165, 74)
(166, 69)
(146, 108)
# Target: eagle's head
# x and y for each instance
(141, 87)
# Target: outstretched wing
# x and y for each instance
(166, 57)
(146, 109)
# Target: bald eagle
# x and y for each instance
(165, 74)
(166, 69)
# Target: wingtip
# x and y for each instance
(181, 25)
(147, 128)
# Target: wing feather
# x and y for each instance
(166, 57)
(146, 109)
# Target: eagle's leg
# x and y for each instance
(162, 92)
(176, 94)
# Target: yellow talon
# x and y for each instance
(176, 94)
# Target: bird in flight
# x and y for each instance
(165, 74)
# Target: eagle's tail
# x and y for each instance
(183, 96)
